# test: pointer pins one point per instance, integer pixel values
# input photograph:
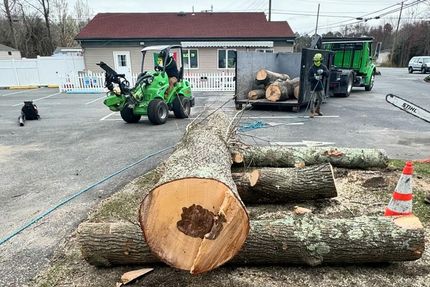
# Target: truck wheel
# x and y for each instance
(410, 70)
(181, 107)
(372, 81)
(157, 112)
(347, 81)
(128, 116)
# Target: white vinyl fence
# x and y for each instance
(40, 71)
(94, 82)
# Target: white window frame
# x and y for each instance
(226, 58)
(263, 50)
(189, 62)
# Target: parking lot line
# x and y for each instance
(105, 117)
(20, 92)
(280, 117)
(42, 98)
(90, 102)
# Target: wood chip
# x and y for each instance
(301, 210)
(133, 275)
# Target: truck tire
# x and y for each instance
(181, 107)
(157, 112)
(372, 81)
(347, 81)
(128, 116)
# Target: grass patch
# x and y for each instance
(124, 205)
(419, 168)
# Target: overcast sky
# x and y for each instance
(334, 14)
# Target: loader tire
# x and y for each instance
(181, 107)
(128, 116)
(158, 112)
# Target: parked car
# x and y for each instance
(419, 63)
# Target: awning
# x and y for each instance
(228, 44)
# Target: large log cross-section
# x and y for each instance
(194, 218)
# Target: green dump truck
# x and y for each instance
(353, 65)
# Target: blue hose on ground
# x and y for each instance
(71, 197)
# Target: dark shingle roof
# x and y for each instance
(183, 25)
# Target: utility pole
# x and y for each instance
(270, 10)
(318, 17)
(397, 31)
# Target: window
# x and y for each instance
(226, 59)
(264, 50)
(122, 60)
(191, 59)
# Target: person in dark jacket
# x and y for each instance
(171, 69)
(316, 75)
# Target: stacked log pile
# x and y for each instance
(195, 218)
(274, 87)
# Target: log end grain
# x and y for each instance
(273, 93)
(254, 176)
(194, 224)
(237, 157)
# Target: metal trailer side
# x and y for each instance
(293, 64)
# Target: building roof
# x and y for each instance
(67, 49)
(6, 48)
(184, 26)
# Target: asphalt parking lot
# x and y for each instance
(78, 142)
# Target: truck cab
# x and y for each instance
(353, 64)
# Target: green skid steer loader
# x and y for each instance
(149, 96)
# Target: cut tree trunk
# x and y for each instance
(294, 82)
(194, 219)
(304, 239)
(256, 94)
(279, 91)
(279, 185)
(296, 92)
(284, 156)
(267, 77)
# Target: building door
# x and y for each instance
(122, 63)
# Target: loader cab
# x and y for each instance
(150, 56)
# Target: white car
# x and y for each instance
(419, 63)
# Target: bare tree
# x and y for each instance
(43, 7)
(8, 8)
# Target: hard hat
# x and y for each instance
(318, 57)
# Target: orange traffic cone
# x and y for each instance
(401, 203)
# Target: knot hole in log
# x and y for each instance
(199, 222)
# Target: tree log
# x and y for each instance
(296, 92)
(267, 77)
(284, 156)
(279, 91)
(304, 239)
(279, 185)
(256, 94)
(194, 219)
(294, 82)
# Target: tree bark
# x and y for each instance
(194, 219)
(280, 185)
(279, 91)
(283, 156)
(304, 239)
(256, 94)
(267, 77)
